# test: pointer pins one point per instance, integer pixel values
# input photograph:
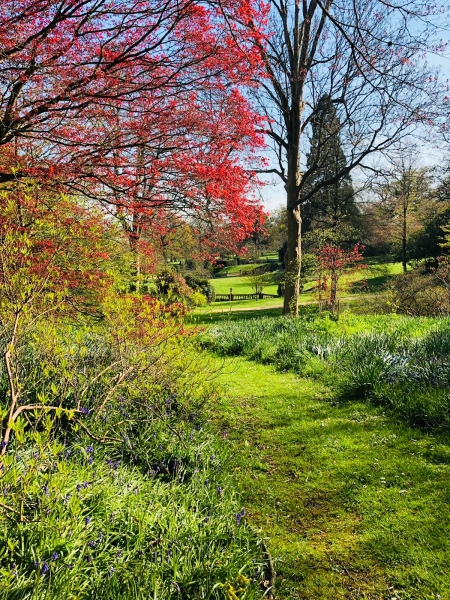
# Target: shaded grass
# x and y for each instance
(237, 268)
(355, 503)
(225, 312)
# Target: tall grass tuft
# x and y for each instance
(399, 362)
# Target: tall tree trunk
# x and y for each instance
(404, 235)
(293, 262)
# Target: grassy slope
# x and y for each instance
(375, 275)
(240, 285)
(355, 504)
(220, 311)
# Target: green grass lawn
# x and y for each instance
(355, 504)
(375, 276)
(240, 285)
(238, 268)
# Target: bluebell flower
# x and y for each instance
(239, 516)
(87, 520)
(54, 556)
(111, 571)
(91, 543)
(44, 568)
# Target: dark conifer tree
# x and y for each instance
(332, 209)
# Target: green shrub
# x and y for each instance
(199, 284)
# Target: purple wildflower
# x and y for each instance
(239, 516)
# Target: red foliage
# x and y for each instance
(138, 105)
(333, 263)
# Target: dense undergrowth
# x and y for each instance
(114, 487)
(399, 362)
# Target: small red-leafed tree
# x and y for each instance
(333, 263)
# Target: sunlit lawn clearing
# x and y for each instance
(375, 276)
(354, 502)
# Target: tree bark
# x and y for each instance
(293, 262)
(333, 292)
(404, 236)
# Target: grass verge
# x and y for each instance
(354, 501)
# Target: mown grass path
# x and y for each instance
(355, 504)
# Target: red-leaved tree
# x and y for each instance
(138, 105)
(333, 263)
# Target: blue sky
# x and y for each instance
(273, 194)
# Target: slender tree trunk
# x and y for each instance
(293, 262)
(404, 233)
(138, 271)
(293, 259)
(333, 291)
